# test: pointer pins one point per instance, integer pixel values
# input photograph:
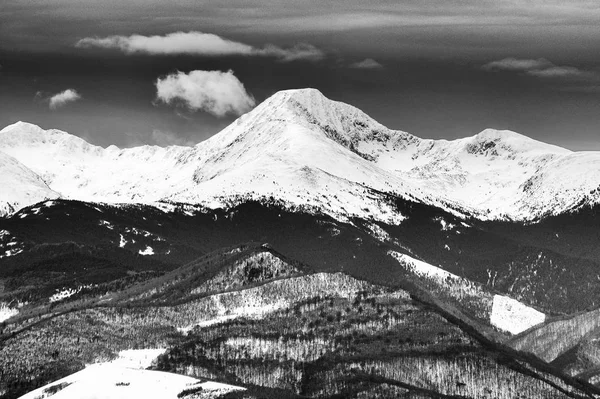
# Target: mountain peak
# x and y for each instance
(340, 122)
(304, 149)
(26, 135)
(299, 94)
(494, 141)
(23, 127)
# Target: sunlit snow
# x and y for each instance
(108, 381)
(307, 151)
(511, 315)
(59, 296)
(7, 312)
(148, 251)
(137, 358)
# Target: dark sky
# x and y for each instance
(448, 68)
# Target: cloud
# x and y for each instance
(515, 64)
(199, 43)
(367, 63)
(218, 93)
(64, 97)
(562, 72)
(301, 51)
(540, 68)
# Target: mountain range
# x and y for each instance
(304, 251)
(307, 151)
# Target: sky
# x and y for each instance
(177, 72)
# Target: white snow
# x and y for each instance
(110, 381)
(14, 250)
(378, 233)
(506, 313)
(445, 225)
(105, 223)
(65, 293)
(307, 151)
(137, 358)
(209, 322)
(422, 268)
(511, 315)
(148, 251)
(253, 303)
(20, 185)
(7, 312)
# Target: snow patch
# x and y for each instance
(445, 225)
(105, 223)
(378, 233)
(513, 316)
(14, 250)
(422, 268)
(65, 293)
(148, 251)
(7, 312)
(208, 323)
(137, 358)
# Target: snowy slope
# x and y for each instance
(506, 313)
(83, 171)
(108, 381)
(20, 186)
(306, 150)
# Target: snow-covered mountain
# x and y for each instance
(20, 186)
(305, 150)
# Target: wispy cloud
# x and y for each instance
(199, 43)
(367, 63)
(218, 93)
(61, 99)
(540, 68)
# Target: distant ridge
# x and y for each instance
(304, 150)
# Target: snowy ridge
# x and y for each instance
(20, 186)
(506, 313)
(304, 150)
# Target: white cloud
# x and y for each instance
(199, 43)
(540, 68)
(218, 93)
(515, 64)
(562, 72)
(173, 43)
(60, 99)
(367, 63)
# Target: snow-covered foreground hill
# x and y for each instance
(306, 150)
(126, 378)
